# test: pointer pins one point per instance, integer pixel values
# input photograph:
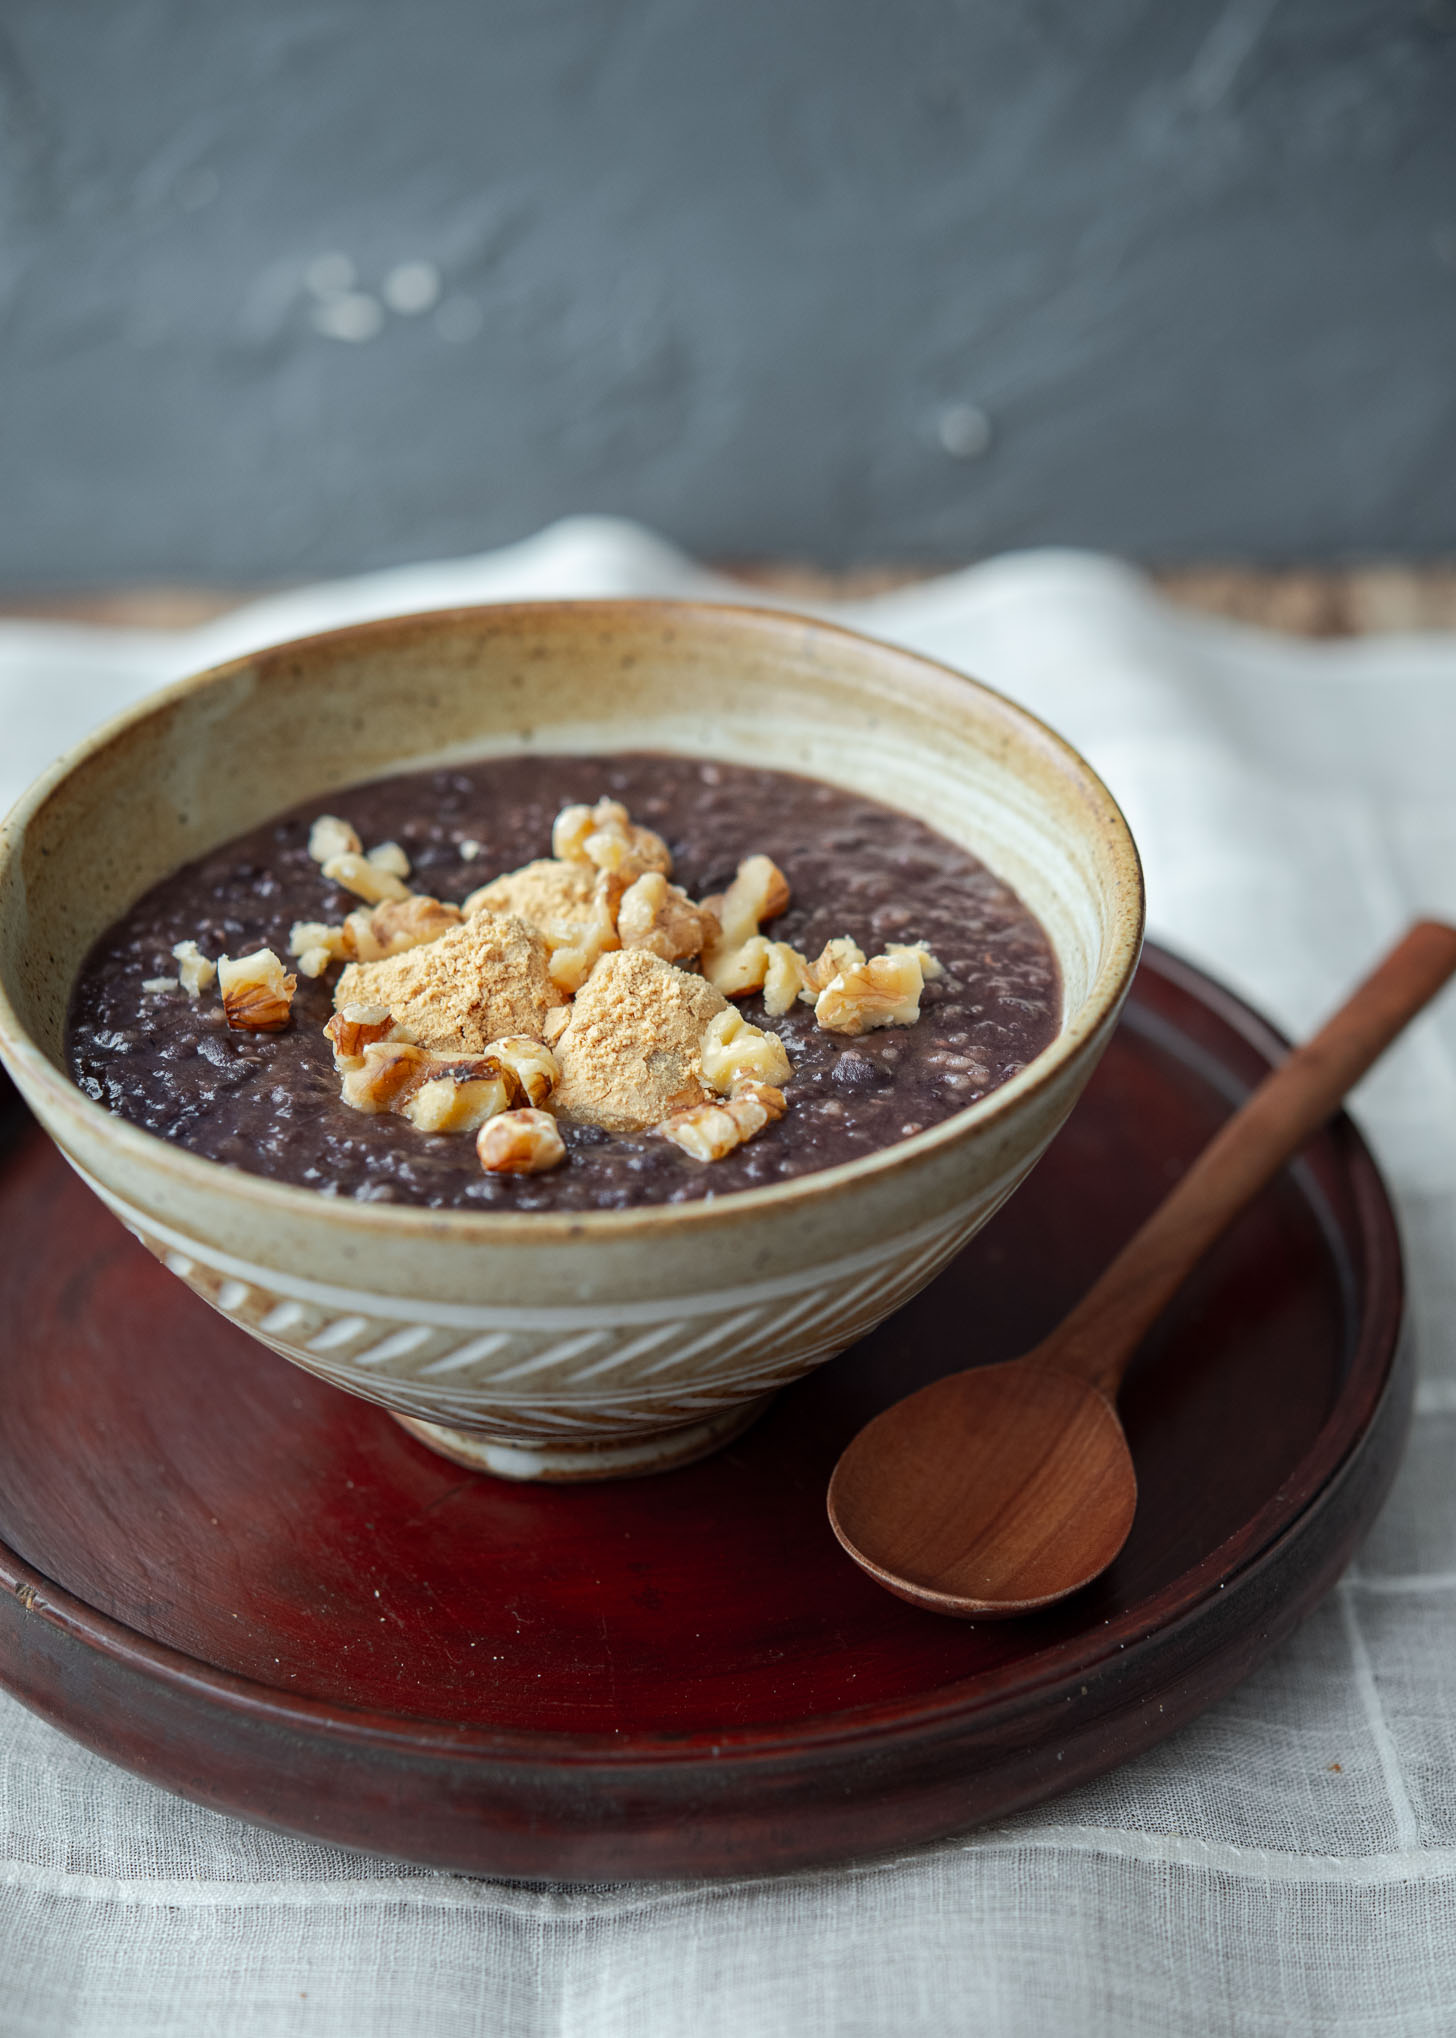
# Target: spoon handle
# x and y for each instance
(1101, 1334)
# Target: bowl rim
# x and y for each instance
(545, 1227)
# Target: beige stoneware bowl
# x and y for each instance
(614, 1342)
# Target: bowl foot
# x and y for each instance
(660, 1450)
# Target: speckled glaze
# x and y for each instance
(594, 1344)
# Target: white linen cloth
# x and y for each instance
(1294, 805)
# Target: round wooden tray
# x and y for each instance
(264, 1594)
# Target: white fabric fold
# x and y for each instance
(1287, 1865)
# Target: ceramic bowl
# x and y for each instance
(575, 1345)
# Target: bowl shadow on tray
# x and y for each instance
(209, 1495)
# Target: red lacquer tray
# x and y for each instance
(265, 1595)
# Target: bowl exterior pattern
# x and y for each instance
(539, 1377)
(557, 1332)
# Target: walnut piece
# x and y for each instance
(788, 975)
(356, 1027)
(576, 950)
(389, 856)
(885, 991)
(316, 944)
(930, 969)
(737, 955)
(661, 918)
(709, 1131)
(368, 935)
(479, 981)
(734, 1052)
(520, 1143)
(738, 972)
(786, 978)
(197, 974)
(531, 1070)
(439, 1092)
(357, 874)
(395, 925)
(329, 836)
(257, 996)
(631, 1053)
(458, 1098)
(387, 1071)
(834, 956)
(555, 1024)
(154, 986)
(607, 836)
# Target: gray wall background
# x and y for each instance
(291, 287)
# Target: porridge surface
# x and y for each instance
(270, 1102)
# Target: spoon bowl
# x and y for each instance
(994, 1492)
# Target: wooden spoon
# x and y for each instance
(1001, 1490)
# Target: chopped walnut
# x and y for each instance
(734, 1052)
(197, 974)
(742, 970)
(369, 934)
(786, 978)
(357, 941)
(555, 1024)
(662, 918)
(257, 996)
(738, 955)
(316, 944)
(885, 991)
(576, 950)
(154, 986)
(748, 1099)
(357, 874)
(395, 925)
(531, 1070)
(520, 1143)
(759, 892)
(706, 1131)
(459, 1093)
(710, 1131)
(389, 856)
(571, 828)
(834, 956)
(930, 969)
(329, 837)
(439, 1092)
(458, 1098)
(356, 1027)
(607, 836)
(388, 1070)
(783, 974)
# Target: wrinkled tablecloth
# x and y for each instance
(1287, 1864)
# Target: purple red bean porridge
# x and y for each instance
(270, 1102)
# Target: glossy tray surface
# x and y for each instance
(265, 1594)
